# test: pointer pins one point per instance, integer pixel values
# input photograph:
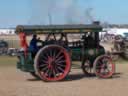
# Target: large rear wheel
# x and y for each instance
(52, 63)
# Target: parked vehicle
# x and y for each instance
(125, 46)
(3, 47)
(121, 45)
(12, 52)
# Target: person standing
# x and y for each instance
(23, 42)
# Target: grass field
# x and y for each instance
(7, 61)
(11, 61)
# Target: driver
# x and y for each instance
(88, 41)
(33, 44)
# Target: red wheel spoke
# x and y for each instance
(59, 58)
(54, 73)
(43, 69)
(46, 73)
(100, 62)
(49, 73)
(46, 58)
(97, 67)
(58, 54)
(62, 61)
(57, 71)
(43, 56)
(108, 70)
(42, 65)
(45, 62)
(47, 55)
(62, 65)
(60, 69)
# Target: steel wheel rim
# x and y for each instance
(55, 63)
(101, 68)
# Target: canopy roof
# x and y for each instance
(44, 29)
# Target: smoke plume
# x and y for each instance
(60, 12)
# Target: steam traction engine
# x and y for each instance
(54, 59)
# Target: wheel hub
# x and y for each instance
(51, 62)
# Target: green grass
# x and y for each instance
(11, 61)
(8, 61)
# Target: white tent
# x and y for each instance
(7, 31)
(116, 31)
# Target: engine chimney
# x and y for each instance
(96, 22)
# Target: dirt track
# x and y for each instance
(16, 83)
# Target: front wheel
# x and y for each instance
(104, 67)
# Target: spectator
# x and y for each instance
(23, 42)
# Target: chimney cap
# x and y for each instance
(96, 22)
